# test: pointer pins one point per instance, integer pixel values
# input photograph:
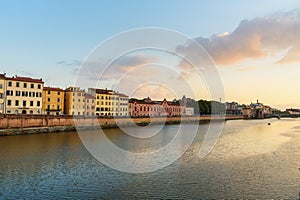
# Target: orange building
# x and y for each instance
(53, 101)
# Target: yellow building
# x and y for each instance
(109, 103)
(2, 92)
(74, 103)
(23, 95)
(53, 101)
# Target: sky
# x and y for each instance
(254, 45)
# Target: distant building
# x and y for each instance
(259, 110)
(23, 95)
(232, 108)
(2, 92)
(53, 101)
(247, 112)
(109, 102)
(147, 107)
(293, 111)
(74, 101)
(189, 111)
(90, 105)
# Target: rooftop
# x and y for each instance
(53, 89)
(25, 79)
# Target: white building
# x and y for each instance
(23, 95)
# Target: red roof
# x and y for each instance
(53, 89)
(25, 79)
(102, 91)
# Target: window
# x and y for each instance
(49, 92)
(58, 93)
(58, 99)
(1, 96)
(48, 99)
(40, 94)
(33, 94)
(78, 113)
(17, 102)
(29, 94)
(102, 97)
(17, 84)
(24, 103)
(25, 85)
(1, 86)
(58, 107)
(79, 94)
(9, 93)
(48, 107)
(39, 86)
(78, 100)
(97, 97)
(23, 94)
(38, 103)
(9, 83)
(32, 85)
(31, 103)
(88, 101)
(18, 93)
(37, 94)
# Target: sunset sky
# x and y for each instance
(255, 46)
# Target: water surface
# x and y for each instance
(251, 160)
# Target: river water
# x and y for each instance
(251, 160)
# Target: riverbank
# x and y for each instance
(19, 125)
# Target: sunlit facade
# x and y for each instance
(23, 95)
(53, 101)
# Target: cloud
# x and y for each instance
(95, 70)
(69, 63)
(252, 39)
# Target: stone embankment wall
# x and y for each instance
(9, 123)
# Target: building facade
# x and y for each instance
(53, 101)
(2, 93)
(23, 95)
(148, 108)
(109, 102)
(74, 101)
(90, 105)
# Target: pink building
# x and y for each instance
(147, 107)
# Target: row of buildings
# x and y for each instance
(254, 110)
(24, 95)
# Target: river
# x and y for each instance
(251, 160)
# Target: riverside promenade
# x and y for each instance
(30, 124)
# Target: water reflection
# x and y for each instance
(251, 160)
